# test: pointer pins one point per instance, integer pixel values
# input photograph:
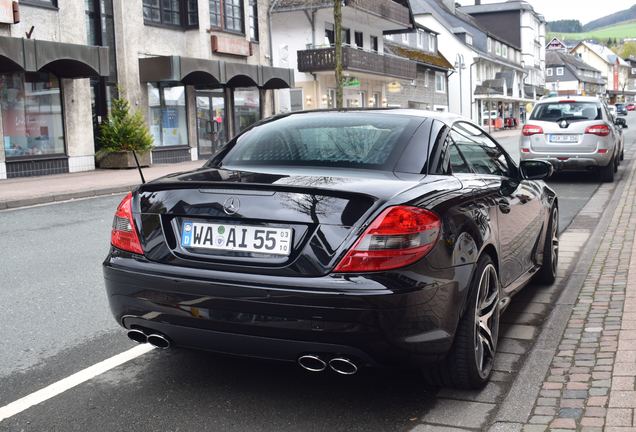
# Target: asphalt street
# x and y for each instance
(56, 321)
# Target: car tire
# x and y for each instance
(616, 164)
(607, 172)
(548, 271)
(470, 361)
(623, 154)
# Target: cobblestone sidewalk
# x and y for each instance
(591, 384)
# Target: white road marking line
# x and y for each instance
(71, 381)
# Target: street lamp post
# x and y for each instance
(460, 65)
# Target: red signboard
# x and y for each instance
(616, 76)
(229, 45)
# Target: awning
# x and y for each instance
(180, 69)
(212, 73)
(62, 59)
(276, 78)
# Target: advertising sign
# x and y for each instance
(6, 12)
(616, 76)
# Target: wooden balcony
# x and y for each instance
(355, 60)
(386, 9)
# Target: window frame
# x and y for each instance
(52, 5)
(443, 81)
(549, 72)
(420, 38)
(252, 6)
(560, 69)
(184, 14)
(375, 43)
(161, 86)
(432, 43)
(222, 17)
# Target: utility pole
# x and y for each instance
(337, 18)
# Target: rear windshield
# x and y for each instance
(327, 139)
(571, 111)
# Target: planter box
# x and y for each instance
(123, 160)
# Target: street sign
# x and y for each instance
(7, 15)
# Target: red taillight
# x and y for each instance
(602, 151)
(525, 150)
(399, 236)
(529, 130)
(600, 130)
(124, 234)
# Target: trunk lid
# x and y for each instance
(317, 214)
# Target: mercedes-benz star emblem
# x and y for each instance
(231, 205)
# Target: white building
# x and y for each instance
(303, 38)
(488, 75)
(614, 69)
(517, 21)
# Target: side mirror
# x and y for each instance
(536, 169)
(619, 121)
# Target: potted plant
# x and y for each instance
(123, 133)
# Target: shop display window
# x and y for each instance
(32, 121)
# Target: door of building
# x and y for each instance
(211, 125)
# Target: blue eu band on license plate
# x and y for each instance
(241, 238)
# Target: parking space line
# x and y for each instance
(71, 381)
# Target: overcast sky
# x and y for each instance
(583, 10)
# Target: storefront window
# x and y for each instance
(246, 107)
(168, 121)
(31, 108)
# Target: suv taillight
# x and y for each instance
(600, 130)
(529, 130)
(124, 234)
(399, 236)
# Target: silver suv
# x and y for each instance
(575, 134)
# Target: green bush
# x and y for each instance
(124, 130)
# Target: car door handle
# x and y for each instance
(504, 205)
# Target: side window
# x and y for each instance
(457, 162)
(481, 153)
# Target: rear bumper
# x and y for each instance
(364, 318)
(571, 162)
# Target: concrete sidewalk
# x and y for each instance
(20, 192)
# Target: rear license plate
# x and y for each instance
(274, 241)
(564, 138)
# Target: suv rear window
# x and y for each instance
(329, 139)
(571, 111)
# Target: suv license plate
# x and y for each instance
(274, 241)
(564, 138)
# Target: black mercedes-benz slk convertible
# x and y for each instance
(338, 240)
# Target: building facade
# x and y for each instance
(567, 75)
(429, 89)
(613, 69)
(517, 21)
(303, 38)
(199, 70)
(488, 76)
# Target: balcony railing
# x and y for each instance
(324, 59)
(386, 9)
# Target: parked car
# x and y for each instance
(630, 107)
(576, 134)
(337, 240)
(621, 109)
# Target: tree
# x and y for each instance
(628, 49)
(124, 130)
(337, 17)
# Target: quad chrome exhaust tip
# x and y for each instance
(154, 339)
(312, 363)
(137, 336)
(343, 366)
(158, 341)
